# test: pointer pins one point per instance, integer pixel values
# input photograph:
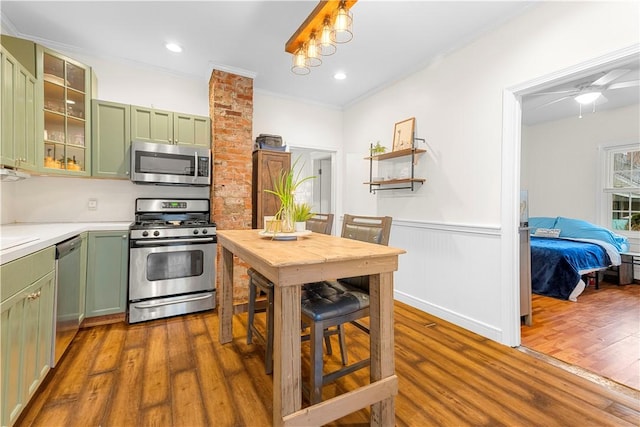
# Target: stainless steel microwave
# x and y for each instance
(167, 164)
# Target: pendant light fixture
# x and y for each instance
(299, 66)
(313, 51)
(329, 23)
(327, 45)
(342, 25)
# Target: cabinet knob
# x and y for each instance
(124, 236)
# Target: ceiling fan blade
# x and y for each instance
(622, 85)
(546, 104)
(557, 92)
(609, 77)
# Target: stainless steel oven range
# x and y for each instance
(172, 254)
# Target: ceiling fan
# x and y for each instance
(591, 92)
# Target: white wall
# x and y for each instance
(302, 125)
(457, 103)
(560, 160)
(136, 84)
(62, 199)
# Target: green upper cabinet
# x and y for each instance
(151, 125)
(167, 127)
(191, 130)
(110, 129)
(66, 113)
(18, 146)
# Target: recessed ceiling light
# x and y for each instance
(174, 47)
(340, 76)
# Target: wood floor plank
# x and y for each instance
(74, 366)
(155, 387)
(108, 357)
(180, 354)
(187, 406)
(92, 404)
(215, 389)
(447, 377)
(156, 416)
(124, 407)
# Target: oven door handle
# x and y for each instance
(162, 241)
(160, 304)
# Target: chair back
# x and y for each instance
(320, 223)
(372, 229)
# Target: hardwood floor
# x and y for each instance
(173, 372)
(600, 332)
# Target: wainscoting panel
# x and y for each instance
(452, 272)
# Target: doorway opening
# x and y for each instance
(318, 192)
(515, 116)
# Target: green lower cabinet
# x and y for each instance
(83, 276)
(107, 272)
(27, 333)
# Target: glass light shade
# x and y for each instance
(327, 46)
(342, 25)
(313, 52)
(300, 63)
(587, 98)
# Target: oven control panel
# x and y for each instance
(172, 232)
(174, 205)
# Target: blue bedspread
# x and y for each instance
(555, 264)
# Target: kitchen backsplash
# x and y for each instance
(61, 199)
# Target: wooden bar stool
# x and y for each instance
(319, 223)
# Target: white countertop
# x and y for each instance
(20, 239)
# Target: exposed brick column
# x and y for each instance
(231, 112)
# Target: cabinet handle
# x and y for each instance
(34, 295)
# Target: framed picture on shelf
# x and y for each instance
(403, 134)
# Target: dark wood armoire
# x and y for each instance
(267, 165)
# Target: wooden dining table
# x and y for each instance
(312, 258)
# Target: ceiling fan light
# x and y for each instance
(587, 97)
(342, 25)
(300, 63)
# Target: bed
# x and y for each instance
(563, 250)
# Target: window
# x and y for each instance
(622, 187)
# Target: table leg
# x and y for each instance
(225, 294)
(381, 341)
(287, 391)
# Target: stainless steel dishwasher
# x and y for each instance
(67, 296)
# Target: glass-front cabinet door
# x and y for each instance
(65, 112)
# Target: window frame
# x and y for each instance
(605, 190)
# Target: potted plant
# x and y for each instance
(377, 149)
(301, 213)
(284, 187)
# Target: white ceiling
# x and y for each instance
(392, 39)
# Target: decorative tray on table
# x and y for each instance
(284, 236)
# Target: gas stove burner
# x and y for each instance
(172, 218)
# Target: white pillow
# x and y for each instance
(547, 232)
